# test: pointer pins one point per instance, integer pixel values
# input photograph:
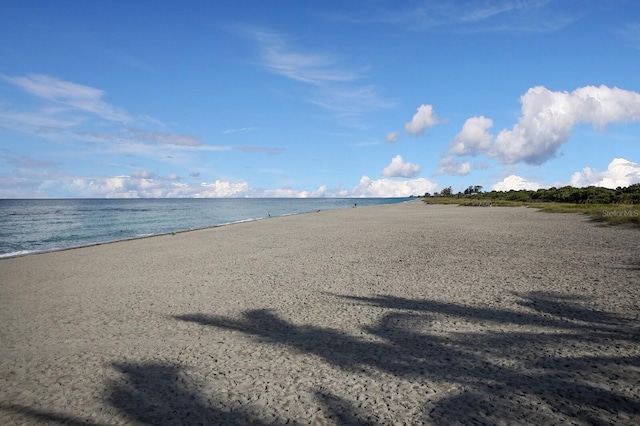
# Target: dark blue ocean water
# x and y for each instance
(31, 226)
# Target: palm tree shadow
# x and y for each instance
(343, 411)
(41, 416)
(555, 360)
(334, 346)
(509, 373)
(161, 394)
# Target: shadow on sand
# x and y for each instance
(553, 361)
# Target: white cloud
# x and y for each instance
(221, 188)
(620, 172)
(31, 163)
(548, 118)
(142, 174)
(632, 32)
(163, 138)
(392, 137)
(391, 188)
(516, 183)
(398, 168)
(70, 95)
(312, 68)
(143, 184)
(473, 138)
(521, 16)
(547, 121)
(257, 149)
(40, 122)
(450, 166)
(423, 118)
(350, 102)
(292, 193)
(336, 88)
(242, 129)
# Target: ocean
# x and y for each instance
(33, 226)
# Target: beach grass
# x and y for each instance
(608, 214)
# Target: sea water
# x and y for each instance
(31, 226)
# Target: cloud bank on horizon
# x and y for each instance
(333, 103)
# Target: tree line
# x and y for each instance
(565, 194)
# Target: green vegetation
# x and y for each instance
(610, 206)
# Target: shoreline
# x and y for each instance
(140, 237)
(408, 312)
(99, 243)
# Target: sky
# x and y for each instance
(316, 99)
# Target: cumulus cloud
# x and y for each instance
(142, 184)
(516, 183)
(392, 137)
(398, 168)
(474, 137)
(620, 172)
(546, 123)
(423, 118)
(68, 94)
(449, 165)
(293, 193)
(142, 174)
(221, 188)
(548, 118)
(391, 188)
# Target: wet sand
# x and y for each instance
(397, 314)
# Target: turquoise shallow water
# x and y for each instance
(31, 226)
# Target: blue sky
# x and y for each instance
(334, 98)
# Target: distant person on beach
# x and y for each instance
(355, 205)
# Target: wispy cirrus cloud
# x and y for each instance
(336, 86)
(163, 138)
(513, 16)
(258, 149)
(632, 32)
(350, 103)
(308, 67)
(241, 129)
(39, 121)
(31, 163)
(76, 112)
(68, 95)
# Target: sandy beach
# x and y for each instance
(396, 314)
